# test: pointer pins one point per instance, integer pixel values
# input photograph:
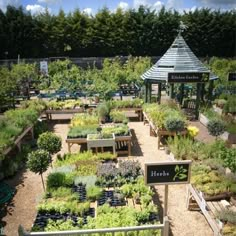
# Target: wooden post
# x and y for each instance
(181, 94)
(146, 91)
(129, 148)
(159, 93)
(198, 100)
(150, 93)
(166, 201)
(210, 90)
(171, 90)
(166, 226)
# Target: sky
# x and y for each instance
(92, 6)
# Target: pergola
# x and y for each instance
(178, 65)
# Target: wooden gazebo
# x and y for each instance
(178, 65)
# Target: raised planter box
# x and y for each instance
(229, 137)
(95, 143)
(203, 119)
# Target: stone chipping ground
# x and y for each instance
(22, 209)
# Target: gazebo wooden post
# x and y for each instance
(150, 92)
(181, 93)
(202, 91)
(210, 90)
(198, 100)
(146, 90)
(159, 93)
(172, 91)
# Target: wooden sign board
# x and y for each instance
(163, 173)
(189, 77)
(232, 76)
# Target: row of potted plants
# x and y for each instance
(13, 123)
(227, 123)
(166, 117)
(67, 104)
(71, 195)
(213, 172)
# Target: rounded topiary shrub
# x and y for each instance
(49, 142)
(216, 127)
(174, 124)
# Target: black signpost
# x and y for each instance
(188, 77)
(232, 76)
(165, 173)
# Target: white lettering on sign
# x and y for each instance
(155, 173)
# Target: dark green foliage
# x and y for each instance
(138, 32)
(49, 142)
(216, 127)
(56, 180)
(38, 161)
(174, 124)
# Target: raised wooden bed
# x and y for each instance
(18, 140)
(203, 119)
(96, 143)
(49, 113)
(137, 110)
(119, 141)
(195, 201)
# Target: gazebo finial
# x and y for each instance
(182, 27)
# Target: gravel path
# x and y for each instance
(22, 209)
(183, 222)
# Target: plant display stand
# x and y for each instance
(165, 133)
(49, 113)
(18, 141)
(71, 141)
(96, 143)
(210, 209)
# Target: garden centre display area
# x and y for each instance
(99, 182)
(91, 189)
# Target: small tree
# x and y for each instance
(38, 162)
(216, 127)
(49, 142)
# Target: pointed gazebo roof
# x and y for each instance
(178, 58)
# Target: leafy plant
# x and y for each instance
(38, 162)
(94, 193)
(60, 225)
(118, 116)
(55, 180)
(174, 124)
(49, 142)
(216, 127)
(227, 216)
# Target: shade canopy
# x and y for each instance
(178, 58)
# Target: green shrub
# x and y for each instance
(216, 127)
(102, 110)
(38, 162)
(56, 180)
(118, 116)
(174, 124)
(49, 142)
(94, 193)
